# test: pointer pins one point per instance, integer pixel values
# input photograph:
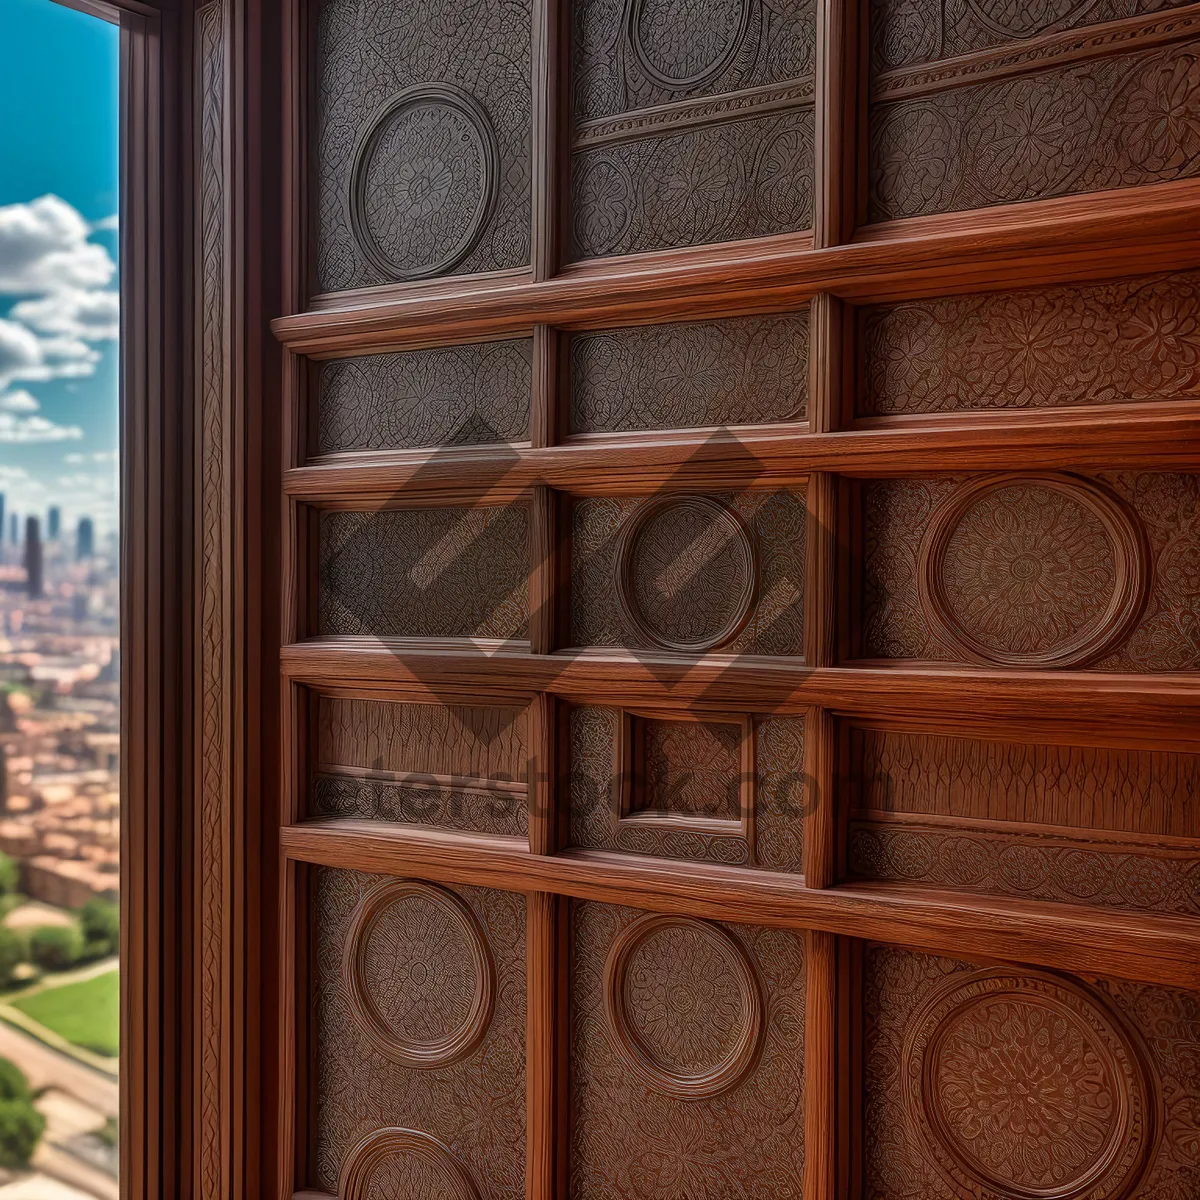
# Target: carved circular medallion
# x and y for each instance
(687, 572)
(1027, 1085)
(404, 1162)
(684, 1005)
(683, 43)
(423, 182)
(1033, 570)
(419, 974)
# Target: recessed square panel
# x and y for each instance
(687, 1058)
(992, 103)
(693, 122)
(421, 139)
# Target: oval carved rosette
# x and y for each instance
(684, 43)
(686, 573)
(684, 1005)
(419, 975)
(1033, 570)
(423, 182)
(404, 1162)
(1028, 1086)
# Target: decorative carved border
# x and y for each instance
(633, 19)
(378, 1148)
(741, 1058)
(459, 1042)
(627, 548)
(442, 95)
(1130, 553)
(1113, 1172)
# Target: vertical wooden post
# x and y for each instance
(840, 27)
(551, 122)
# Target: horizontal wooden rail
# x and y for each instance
(1092, 236)
(1129, 710)
(1161, 435)
(1152, 949)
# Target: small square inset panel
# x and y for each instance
(1071, 824)
(425, 572)
(1000, 101)
(690, 573)
(720, 788)
(450, 766)
(687, 1058)
(693, 122)
(418, 1008)
(1001, 1081)
(454, 396)
(1131, 340)
(741, 371)
(1033, 570)
(421, 139)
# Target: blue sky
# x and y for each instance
(58, 250)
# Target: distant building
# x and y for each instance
(85, 538)
(33, 557)
(14, 530)
(53, 523)
(1, 516)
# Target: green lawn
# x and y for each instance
(84, 1013)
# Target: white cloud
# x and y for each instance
(113, 223)
(26, 356)
(18, 401)
(76, 459)
(72, 312)
(44, 247)
(16, 429)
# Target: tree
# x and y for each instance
(13, 952)
(10, 874)
(100, 921)
(56, 947)
(21, 1124)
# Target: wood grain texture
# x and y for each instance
(547, 1036)
(821, 1075)
(1151, 948)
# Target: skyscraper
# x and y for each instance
(85, 539)
(1, 516)
(14, 530)
(53, 523)
(33, 557)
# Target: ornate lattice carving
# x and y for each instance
(474, 1106)
(422, 139)
(911, 32)
(1166, 508)
(436, 572)
(684, 1005)
(1032, 570)
(636, 1141)
(774, 623)
(457, 396)
(690, 768)
(716, 184)
(734, 372)
(1033, 867)
(1108, 123)
(404, 1162)
(444, 806)
(972, 1076)
(1106, 789)
(1131, 340)
(781, 797)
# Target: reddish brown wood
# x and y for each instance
(821, 1082)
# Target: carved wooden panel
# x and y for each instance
(1034, 570)
(419, 1021)
(454, 396)
(1039, 116)
(687, 1058)
(726, 790)
(1074, 824)
(429, 572)
(690, 572)
(445, 765)
(693, 121)
(1129, 340)
(422, 139)
(1002, 1082)
(734, 372)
